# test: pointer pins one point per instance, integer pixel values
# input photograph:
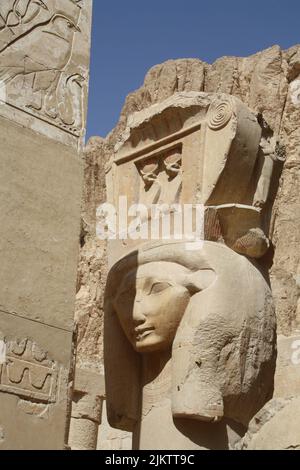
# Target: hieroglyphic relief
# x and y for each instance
(37, 69)
(28, 373)
(19, 12)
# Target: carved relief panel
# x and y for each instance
(34, 383)
(44, 50)
(28, 373)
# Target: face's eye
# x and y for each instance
(176, 166)
(159, 287)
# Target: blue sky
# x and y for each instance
(130, 36)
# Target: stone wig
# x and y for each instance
(224, 351)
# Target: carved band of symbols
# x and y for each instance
(28, 374)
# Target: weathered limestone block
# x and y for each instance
(44, 65)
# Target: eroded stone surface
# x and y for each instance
(275, 427)
(92, 267)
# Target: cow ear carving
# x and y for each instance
(199, 280)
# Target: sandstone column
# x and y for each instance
(44, 67)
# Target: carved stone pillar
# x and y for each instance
(44, 68)
(88, 399)
(89, 429)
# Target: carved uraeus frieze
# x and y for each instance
(38, 65)
(28, 373)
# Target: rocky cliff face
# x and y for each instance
(269, 83)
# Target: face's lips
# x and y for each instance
(141, 333)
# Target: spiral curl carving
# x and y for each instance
(219, 114)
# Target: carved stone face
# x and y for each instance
(150, 303)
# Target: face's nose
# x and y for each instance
(138, 316)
